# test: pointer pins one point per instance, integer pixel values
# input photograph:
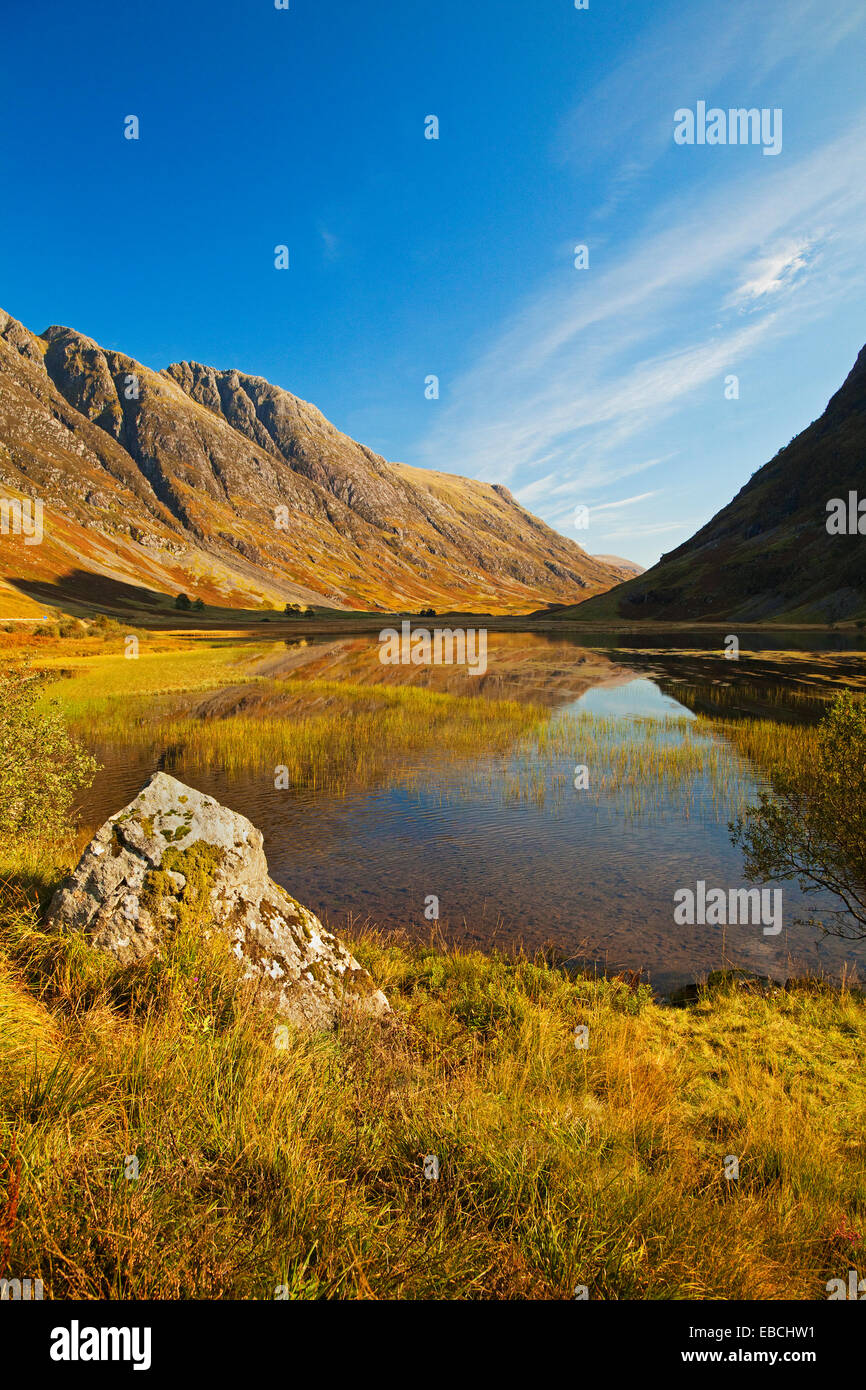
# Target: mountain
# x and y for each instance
(768, 553)
(221, 485)
(627, 567)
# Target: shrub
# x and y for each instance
(103, 626)
(41, 766)
(812, 826)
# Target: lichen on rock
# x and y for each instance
(175, 858)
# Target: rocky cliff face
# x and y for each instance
(174, 860)
(234, 490)
(768, 553)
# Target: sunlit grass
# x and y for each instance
(327, 734)
(650, 762)
(337, 734)
(94, 685)
(642, 766)
(330, 734)
(772, 746)
(301, 1169)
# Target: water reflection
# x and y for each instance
(583, 872)
(638, 698)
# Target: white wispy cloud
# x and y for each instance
(330, 244)
(647, 528)
(695, 52)
(623, 502)
(598, 358)
(775, 272)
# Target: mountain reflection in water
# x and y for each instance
(585, 873)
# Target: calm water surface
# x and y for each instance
(585, 873)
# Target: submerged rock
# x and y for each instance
(174, 851)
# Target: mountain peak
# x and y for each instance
(221, 484)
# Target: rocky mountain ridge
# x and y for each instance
(234, 490)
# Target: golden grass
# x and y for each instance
(329, 734)
(332, 734)
(300, 1172)
(771, 746)
(651, 762)
(95, 684)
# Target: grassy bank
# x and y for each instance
(300, 1167)
(159, 1138)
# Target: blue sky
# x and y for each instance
(602, 387)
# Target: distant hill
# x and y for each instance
(768, 554)
(626, 567)
(235, 491)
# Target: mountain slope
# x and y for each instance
(768, 554)
(234, 490)
(629, 568)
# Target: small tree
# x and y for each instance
(198, 605)
(41, 765)
(182, 602)
(812, 826)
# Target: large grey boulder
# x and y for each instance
(175, 855)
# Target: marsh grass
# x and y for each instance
(332, 734)
(326, 734)
(771, 746)
(710, 765)
(642, 766)
(329, 735)
(95, 686)
(651, 763)
(301, 1169)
